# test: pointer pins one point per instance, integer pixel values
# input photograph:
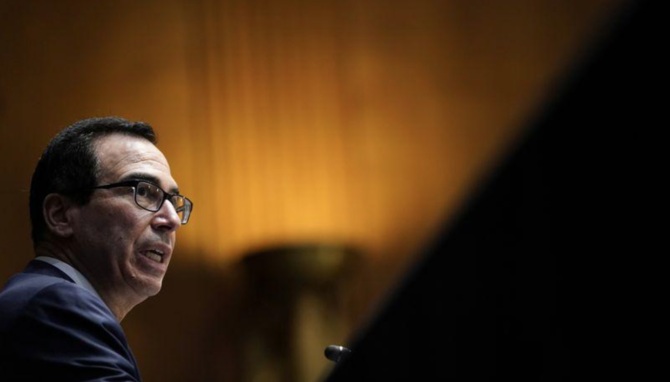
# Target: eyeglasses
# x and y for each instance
(151, 197)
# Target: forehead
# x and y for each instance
(121, 156)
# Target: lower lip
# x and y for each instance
(151, 265)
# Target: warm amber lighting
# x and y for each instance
(295, 121)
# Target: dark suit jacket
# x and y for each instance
(51, 329)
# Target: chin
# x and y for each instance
(145, 286)
(152, 289)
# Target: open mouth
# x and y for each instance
(154, 255)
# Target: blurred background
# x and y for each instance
(322, 142)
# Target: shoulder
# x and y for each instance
(24, 290)
(67, 297)
(63, 328)
(36, 295)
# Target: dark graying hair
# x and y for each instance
(69, 165)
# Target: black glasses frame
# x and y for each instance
(187, 208)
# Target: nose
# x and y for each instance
(166, 219)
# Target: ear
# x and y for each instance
(57, 215)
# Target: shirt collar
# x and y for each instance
(69, 270)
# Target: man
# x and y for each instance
(104, 210)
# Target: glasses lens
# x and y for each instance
(188, 208)
(183, 207)
(148, 196)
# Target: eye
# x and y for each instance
(142, 190)
(148, 192)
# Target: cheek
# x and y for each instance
(116, 226)
(127, 229)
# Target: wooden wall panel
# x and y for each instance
(292, 121)
(362, 122)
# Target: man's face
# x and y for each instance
(116, 240)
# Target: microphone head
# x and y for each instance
(336, 353)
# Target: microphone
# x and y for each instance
(336, 353)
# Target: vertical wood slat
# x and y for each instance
(360, 122)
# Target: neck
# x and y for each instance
(119, 302)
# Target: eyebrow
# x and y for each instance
(148, 178)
